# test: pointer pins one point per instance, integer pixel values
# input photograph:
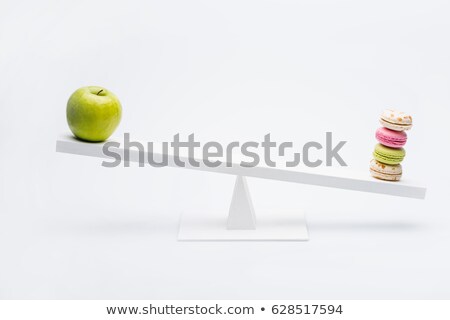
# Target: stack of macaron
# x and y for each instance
(389, 152)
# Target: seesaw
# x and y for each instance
(241, 223)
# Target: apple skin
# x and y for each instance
(93, 113)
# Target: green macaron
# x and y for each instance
(387, 155)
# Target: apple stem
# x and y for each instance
(99, 92)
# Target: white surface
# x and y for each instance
(270, 226)
(341, 178)
(72, 229)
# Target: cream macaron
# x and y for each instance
(385, 171)
(396, 120)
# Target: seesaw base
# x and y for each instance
(283, 226)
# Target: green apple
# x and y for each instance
(93, 113)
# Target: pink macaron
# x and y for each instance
(391, 138)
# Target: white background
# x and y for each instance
(225, 70)
(351, 309)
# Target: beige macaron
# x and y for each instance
(396, 120)
(384, 171)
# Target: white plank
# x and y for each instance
(341, 178)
